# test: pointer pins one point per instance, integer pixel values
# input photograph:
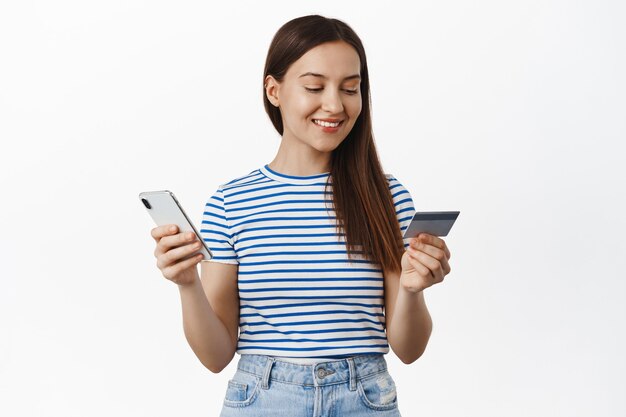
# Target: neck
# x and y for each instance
(300, 160)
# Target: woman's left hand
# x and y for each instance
(424, 263)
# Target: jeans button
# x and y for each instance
(321, 373)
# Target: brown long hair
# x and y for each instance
(362, 201)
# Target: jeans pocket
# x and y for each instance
(378, 392)
(242, 389)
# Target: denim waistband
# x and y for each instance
(325, 372)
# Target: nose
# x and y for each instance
(331, 101)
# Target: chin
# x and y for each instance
(326, 148)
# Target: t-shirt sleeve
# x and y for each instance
(403, 203)
(215, 230)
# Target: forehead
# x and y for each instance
(336, 59)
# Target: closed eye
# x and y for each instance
(317, 90)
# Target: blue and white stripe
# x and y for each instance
(299, 294)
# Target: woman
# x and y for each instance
(309, 263)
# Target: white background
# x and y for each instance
(511, 112)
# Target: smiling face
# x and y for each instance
(319, 90)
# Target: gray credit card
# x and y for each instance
(437, 223)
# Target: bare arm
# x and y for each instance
(211, 314)
(210, 304)
(409, 324)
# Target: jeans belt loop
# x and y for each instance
(266, 373)
(352, 370)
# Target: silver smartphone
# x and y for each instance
(164, 209)
(436, 223)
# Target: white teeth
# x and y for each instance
(325, 124)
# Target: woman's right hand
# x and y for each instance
(171, 248)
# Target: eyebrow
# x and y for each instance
(349, 77)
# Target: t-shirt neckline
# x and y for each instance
(294, 179)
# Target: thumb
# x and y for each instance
(404, 262)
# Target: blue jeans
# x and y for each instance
(355, 386)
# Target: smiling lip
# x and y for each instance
(339, 121)
(329, 129)
(329, 120)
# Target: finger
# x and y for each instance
(438, 256)
(419, 267)
(174, 255)
(429, 249)
(434, 242)
(175, 269)
(428, 261)
(158, 232)
(431, 240)
(168, 242)
(445, 267)
(179, 239)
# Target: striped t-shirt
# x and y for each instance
(299, 295)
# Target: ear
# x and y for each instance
(271, 90)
